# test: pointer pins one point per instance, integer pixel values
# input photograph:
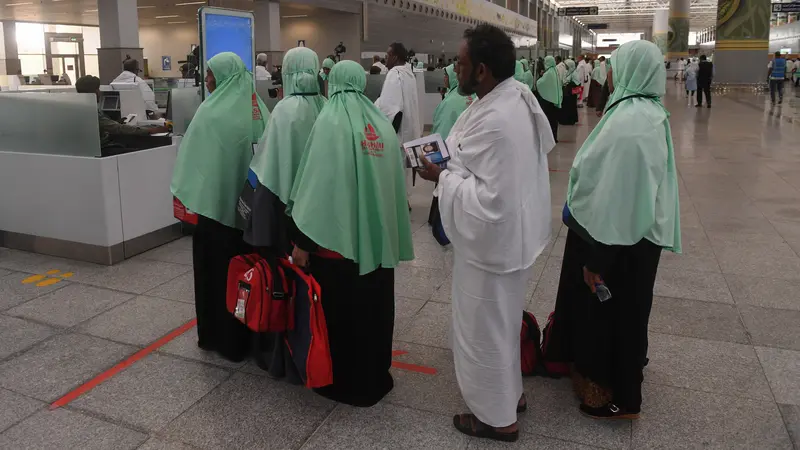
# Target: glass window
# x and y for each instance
(32, 64)
(52, 28)
(64, 48)
(2, 46)
(92, 66)
(30, 38)
(91, 40)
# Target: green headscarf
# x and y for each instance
(447, 112)
(527, 76)
(349, 194)
(326, 64)
(215, 153)
(623, 184)
(519, 71)
(599, 73)
(548, 85)
(283, 142)
(572, 74)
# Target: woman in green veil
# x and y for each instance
(327, 66)
(210, 170)
(452, 105)
(549, 93)
(621, 211)
(569, 103)
(349, 205)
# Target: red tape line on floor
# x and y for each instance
(414, 368)
(96, 381)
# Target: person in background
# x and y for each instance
(399, 98)
(569, 102)
(705, 73)
(130, 75)
(776, 71)
(327, 66)
(596, 84)
(211, 167)
(690, 74)
(374, 70)
(519, 72)
(110, 128)
(451, 107)
(621, 211)
(349, 172)
(550, 94)
(586, 77)
(561, 68)
(796, 72)
(376, 62)
(65, 79)
(497, 216)
(528, 75)
(681, 68)
(261, 72)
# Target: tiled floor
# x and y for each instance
(724, 351)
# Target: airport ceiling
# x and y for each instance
(621, 15)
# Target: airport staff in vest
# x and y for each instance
(776, 69)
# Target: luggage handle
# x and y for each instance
(279, 290)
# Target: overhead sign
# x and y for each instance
(786, 7)
(578, 11)
(597, 26)
(166, 63)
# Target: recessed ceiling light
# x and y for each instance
(144, 7)
(91, 10)
(167, 17)
(180, 21)
(296, 16)
(190, 3)
(19, 4)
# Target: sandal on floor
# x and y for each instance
(524, 406)
(471, 426)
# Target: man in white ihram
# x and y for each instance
(399, 95)
(494, 200)
(129, 76)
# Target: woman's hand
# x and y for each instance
(591, 279)
(300, 257)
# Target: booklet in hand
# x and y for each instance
(432, 147)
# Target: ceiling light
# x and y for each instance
(19, 4)
(143, 7)
(190, 3)
(297, 16)
(167, 17)
(181, 21)
(91, 10)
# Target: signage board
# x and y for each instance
(166, 63)
(786, 7)
(578, 11)
(597, 26)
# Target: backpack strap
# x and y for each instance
(279, 288)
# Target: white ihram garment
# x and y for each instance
(399, 94)
(494, 200)
(147, 94)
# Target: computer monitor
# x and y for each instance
(110, 103)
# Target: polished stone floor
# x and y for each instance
(724, 350)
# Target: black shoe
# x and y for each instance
(609, 411)
(780, 101)
(698, 106)
(709, 106)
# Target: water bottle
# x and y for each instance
(602, 292)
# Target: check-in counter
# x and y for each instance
(61, 197)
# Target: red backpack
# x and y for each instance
(555, 369)
(530, 350)
(258, 294)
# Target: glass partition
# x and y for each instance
(183, 103)
(434, 81)
(49, 123)
(374, 86)
(263, 87)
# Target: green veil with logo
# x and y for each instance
(284, 141)
(215, 153)
(447, 112)
(349, 193)
(623, 185)
(549, 86)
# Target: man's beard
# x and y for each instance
(469, 87)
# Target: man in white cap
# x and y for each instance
(261, 72)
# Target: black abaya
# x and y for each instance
(569, 106)
(551, 112)
(213, 247)
(359, 311)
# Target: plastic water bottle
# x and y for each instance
(602, 292)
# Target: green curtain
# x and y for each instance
(349, 193)
(215, 153)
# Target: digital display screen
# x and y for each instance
(225, 33)
(110, 102)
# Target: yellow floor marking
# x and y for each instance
(48, 282)
(52, 272)
(33, 279)
(65, 275)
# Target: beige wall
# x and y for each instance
(322, 34)
(167, 40)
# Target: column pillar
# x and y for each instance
(268, 31)
(660, 29)
(742, 41)
(678, 34)
(119, 37)
(9, 63)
